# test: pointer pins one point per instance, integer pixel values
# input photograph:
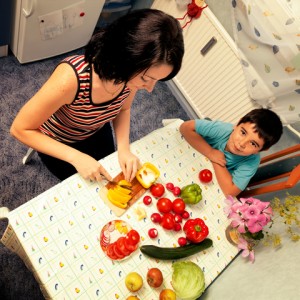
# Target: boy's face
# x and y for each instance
(244, 140)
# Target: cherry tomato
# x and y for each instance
(182, 241)
(170, 186)
(177, 226)
(167, 221)
(185, 215)
(147, 200)
(205, 176)
(153, 233)
(133, 237)
(176, 191)
(157, 190)
(155, 218)
(164, 205)
(121, 245)
(178, 218)
(178, 206)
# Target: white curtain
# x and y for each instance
(267, 33)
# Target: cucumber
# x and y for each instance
(171, 253)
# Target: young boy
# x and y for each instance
(234, 150)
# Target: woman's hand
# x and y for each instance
(90, 168)
(129, 164)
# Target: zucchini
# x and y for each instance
(171, 253)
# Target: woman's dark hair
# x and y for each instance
(267, 124)
(134, 43)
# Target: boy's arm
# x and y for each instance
(187, 129)
(225, 180)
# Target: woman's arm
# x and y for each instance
(129, 163)
(58, 90)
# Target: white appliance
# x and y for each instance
(45, 28)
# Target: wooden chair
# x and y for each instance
(277, 171)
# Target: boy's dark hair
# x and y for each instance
(135, 42)
(267, 124)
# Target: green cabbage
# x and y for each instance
(187, 280)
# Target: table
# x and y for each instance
(57, 233)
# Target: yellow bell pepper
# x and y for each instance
(147, 175)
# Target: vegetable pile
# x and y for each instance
(120, 196)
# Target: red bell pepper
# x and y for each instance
(196, 230)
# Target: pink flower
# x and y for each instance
(247, 249)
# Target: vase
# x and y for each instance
(232, 235)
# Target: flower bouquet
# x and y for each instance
(248, 217)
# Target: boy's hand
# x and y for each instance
(218, 157)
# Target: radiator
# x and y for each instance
(211, 85)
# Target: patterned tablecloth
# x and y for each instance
(57, 233)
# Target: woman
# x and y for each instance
(68, 120)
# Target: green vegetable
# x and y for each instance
(171, 253)
(187, 280)
(191, 194)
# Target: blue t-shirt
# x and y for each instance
(216, 134)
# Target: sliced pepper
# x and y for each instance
(195, 230)
(147, 175)
(191, 194)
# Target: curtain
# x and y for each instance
(267, 34)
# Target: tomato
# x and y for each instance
(117, 252)
(170, 186)
(178, 218)
(155, 277)
(177, 226)
(164, 205)
(182, 241)
(185, 215)
(133, 237)
(167, 221)
(129, 246)
(110, 251)
(178, 206)
(205, 176)
(153, 233)
(121, 245)
(155, 218)
(157, 190)
(147, 200)
(176, 191)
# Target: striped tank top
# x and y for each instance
(82, 118)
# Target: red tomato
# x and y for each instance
(110, 251)
(167, 221)
(185, 215)
(155, 218)
(182, 241)
(164, 205)
(133, 237)
(205, 176)
(170, 186)
(176, 191)
(153, 233)
(178, 218)
(121, 245)
(155, 277)
(147, 200)
(118, 253)
(178, 206)
(177, 226)
(157, 190)
(129, 246)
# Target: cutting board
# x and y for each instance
(137, 191)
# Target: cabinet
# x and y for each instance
(5, 25)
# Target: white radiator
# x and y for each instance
(212, 85)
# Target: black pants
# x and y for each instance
(98, 146)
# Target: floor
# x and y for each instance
(274, 274)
